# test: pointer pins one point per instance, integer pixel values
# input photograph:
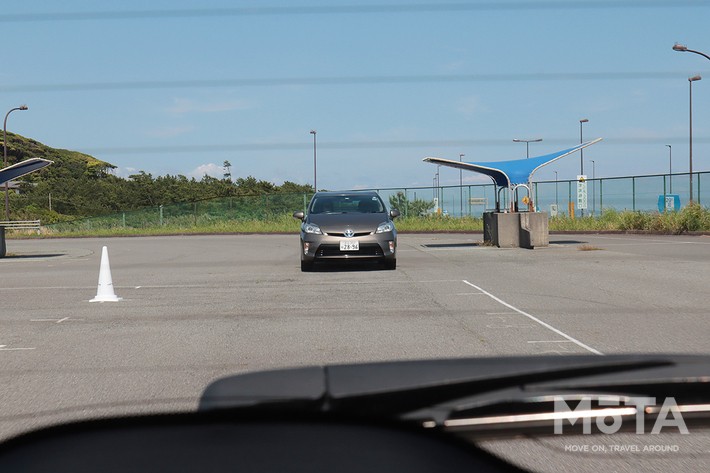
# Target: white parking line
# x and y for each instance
(649, 241)
(45, 288)
(535, 319)
(4, 348)
(56, 321)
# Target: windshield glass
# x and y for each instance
(348, 203)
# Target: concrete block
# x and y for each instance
(516, 230)
(503, 229)
(534, 230)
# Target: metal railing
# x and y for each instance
(21, 225)
(635, 193)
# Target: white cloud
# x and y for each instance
(453, 66)
(182, 106)
(469, 105)
(210, 169)
(170, 131)
(124, 172)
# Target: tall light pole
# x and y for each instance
(581, 154)
(315, 167)
(684, 49)
(670, 168)
(594, 190)
(690, 127)
(527, 145)
(438, 188)
(556, 203)
(461, 183)
(4, 149)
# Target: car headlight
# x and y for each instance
(385, 227)
(311, 228)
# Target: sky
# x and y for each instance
(180, 86)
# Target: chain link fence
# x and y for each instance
(636, 193)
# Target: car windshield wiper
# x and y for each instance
(484, 391)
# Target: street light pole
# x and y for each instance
(594, 190)
(670, 168)
(690, 127)
(556, 203)
(684, 49)
(438, 188)
(581, 155)
(4, 149)
(461, 184)
(527, 145)
(315, 167)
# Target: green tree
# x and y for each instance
(227, 170)
(413, 208)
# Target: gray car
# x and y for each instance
(347, 225)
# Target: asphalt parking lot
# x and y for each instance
(196, 308)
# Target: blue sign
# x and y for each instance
(668, 203)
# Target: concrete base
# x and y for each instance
(3, 248)
(516, 230)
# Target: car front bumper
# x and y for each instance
(326, 247)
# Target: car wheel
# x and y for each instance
(391, 264)
(306, 266)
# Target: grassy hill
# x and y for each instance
(57, 182)
(79, 185)
(66, 162)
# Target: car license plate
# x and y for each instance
(349, 245)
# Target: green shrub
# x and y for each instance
(693, 217)
(634, 221)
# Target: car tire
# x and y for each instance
(391, 264)
(306, 266)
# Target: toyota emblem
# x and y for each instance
(349, 233)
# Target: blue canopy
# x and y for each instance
(20, 169)
(510, 173)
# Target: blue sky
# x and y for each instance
(179, 94)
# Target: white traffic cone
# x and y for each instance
(104, 293)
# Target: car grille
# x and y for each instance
(357, 234)
(366, 249)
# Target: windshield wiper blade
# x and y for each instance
(396, 388)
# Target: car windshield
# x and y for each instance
(348, 203)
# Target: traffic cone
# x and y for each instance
(104, 293)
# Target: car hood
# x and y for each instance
(339, 222)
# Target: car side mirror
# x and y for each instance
(299, 215)
(394, 213)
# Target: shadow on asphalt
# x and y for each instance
(31, 256)
(347, 266)
(452, 245)
(567, 242)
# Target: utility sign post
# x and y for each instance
(582, 192)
